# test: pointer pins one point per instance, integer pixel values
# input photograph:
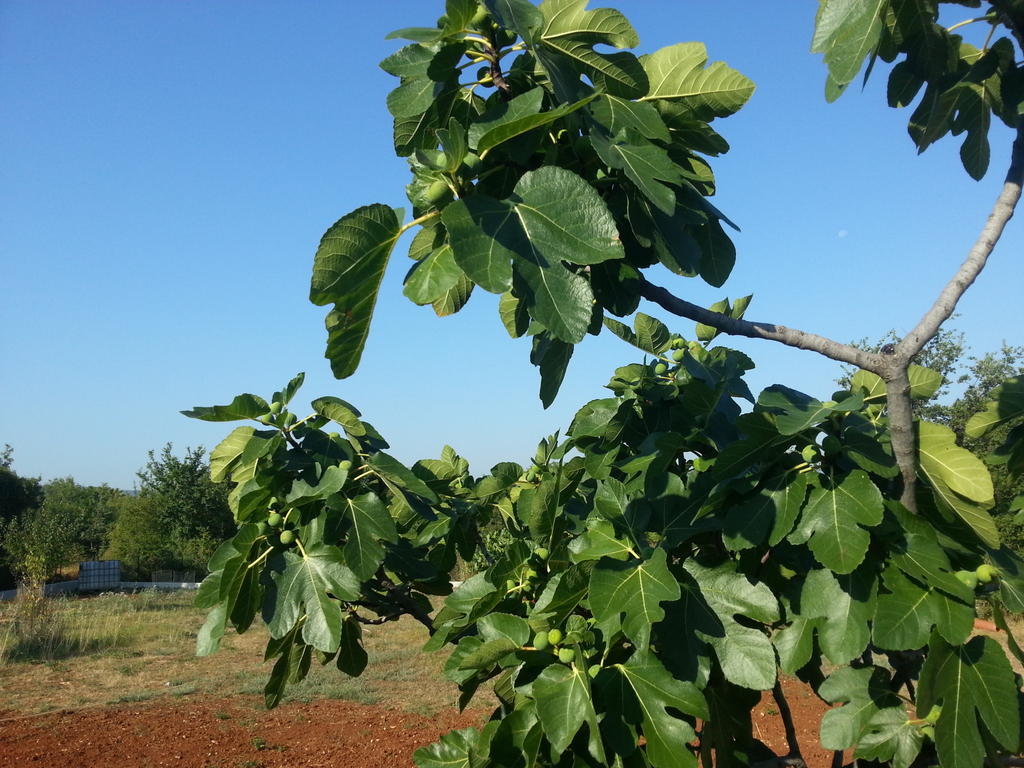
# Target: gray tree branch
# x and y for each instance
(791, 337)
(891, 367)
(976, 259)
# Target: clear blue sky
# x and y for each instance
(167, 169)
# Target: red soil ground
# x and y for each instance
(239, 733)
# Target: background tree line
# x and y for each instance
(172, 520)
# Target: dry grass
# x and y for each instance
(78, 652)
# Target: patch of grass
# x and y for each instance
(126, 648)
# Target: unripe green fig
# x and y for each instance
(594, 670)
(555, 636)
(345, 464)
(933, 714)
(986, 573)
(661, 369)
(275, 407)
(928, 731)
(333, 435)
(262, 528)
(678, 355)
(287, 537)
(267, 419)
(438, 192)
(542, 553)
(678, 343)
(566, 655)
(540, 641)
(968, 578)
(289, 419)
(531, 574)
(809, 453)
(831, 445)
(274, 520)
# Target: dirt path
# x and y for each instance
(238, 733)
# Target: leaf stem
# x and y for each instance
(260, 559)
(419, 220)
(988, 17)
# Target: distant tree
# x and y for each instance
(137, 538)
(36, 544)
(17, 494)
(193, 511)
(89, 511)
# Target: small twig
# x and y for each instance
(376, 622)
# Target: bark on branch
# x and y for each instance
(791, 337)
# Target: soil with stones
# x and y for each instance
(238, 733)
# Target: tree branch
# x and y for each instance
(791, 337)
(902, 433)
(787, 720)
(892, 365)
(976, 259)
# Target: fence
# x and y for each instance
(105, 576)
